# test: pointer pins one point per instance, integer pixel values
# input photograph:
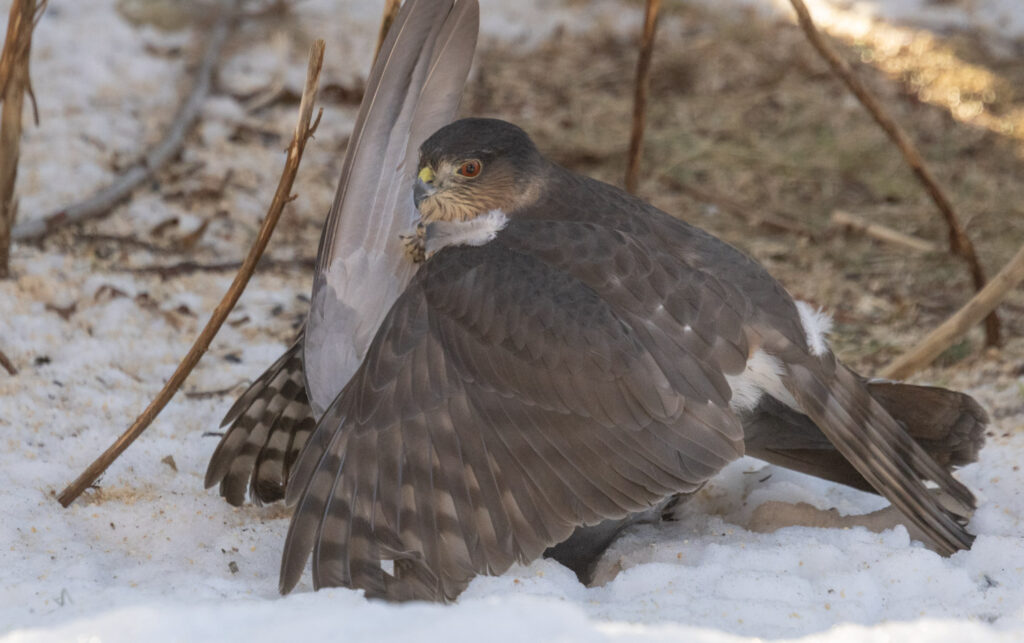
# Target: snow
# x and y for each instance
(151, 555)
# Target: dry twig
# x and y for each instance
(643, 83)
(14, 84)
(390, 12)
(973, 311)
(7, 364)
(132, 241)
(303, 132)
(959, 243)
(189, 267)
(882, 233)
(169, 147)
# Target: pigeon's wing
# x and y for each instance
(414, 89)
(269, 424)
(509, 397)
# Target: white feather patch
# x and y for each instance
(475, 232)
(817, 325)
(762, 375)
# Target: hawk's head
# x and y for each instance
(473, 166)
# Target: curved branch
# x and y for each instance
(169, 147)
(640, 91)
(959, 243)
(973, 311)
(303, 131)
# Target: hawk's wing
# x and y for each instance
(414, 89)
(508, 399)
(830, 394)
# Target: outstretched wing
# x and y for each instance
(414, 89)
(509, 397)
(821, 387)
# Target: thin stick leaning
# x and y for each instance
(959, 243)
(303, 132)
(643, 82)
(948, 331)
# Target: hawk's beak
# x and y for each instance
(423, 187)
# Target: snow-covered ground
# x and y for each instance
(151, 556)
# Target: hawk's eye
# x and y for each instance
(470, 169)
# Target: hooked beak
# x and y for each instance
(421, 191)
(424, 186)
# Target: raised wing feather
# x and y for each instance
(414, 89)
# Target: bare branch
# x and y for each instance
(959, 243)
(882, 233)
(101, 203)
(189, 267)
(973, 311)
(220, 314)
(7, 364)
(14, 84)
(643, 83)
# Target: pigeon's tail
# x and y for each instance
(270, 423)
(855, 417)
(949, 426)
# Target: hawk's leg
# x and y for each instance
(416, 243)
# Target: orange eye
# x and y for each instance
(470, 169)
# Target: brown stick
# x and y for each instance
(7, 364)
(303, 132)
(168, 148)
(14, 83)
(973, 311)
(388, 19)
(882, 233)
(643, 84)
(189, 267)
(959, 243)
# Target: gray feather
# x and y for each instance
(414, 88)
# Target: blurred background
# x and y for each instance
(749, 135)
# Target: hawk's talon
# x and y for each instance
(416, 244)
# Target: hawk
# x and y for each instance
(565, 359)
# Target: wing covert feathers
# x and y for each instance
(506, 400)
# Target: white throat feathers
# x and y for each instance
(472, 232)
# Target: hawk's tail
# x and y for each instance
(949, 426)
(842, 405)
(270, 423)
